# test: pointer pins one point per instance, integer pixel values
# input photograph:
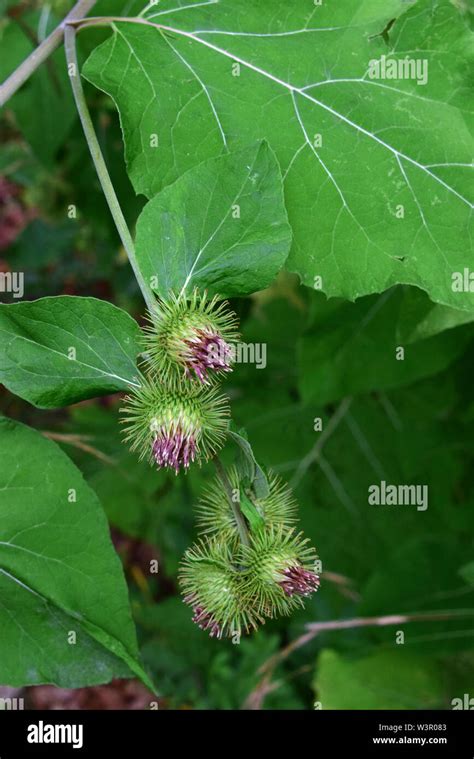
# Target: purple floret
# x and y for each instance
(207, 352)
(203, 618)
(299, 581)
(174, 449)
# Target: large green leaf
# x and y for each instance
(354, 347)
(222, 226)
(192, 83)
(60, 350)
(389, 679)
(59, 573)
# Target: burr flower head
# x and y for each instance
(212, 583)
(191, 338)
(173, 427)
(282, 570)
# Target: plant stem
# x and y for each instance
(238, 516)
(42, 52)
(99, 163)
(79, 441)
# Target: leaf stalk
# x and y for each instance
(99, 163)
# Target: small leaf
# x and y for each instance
(47, 94)
(249, 511)
(249, 465)
(60, 578)
(222, 226)
(60, 350)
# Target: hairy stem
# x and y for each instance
(238, 516)
(42, 52)
(99, 163)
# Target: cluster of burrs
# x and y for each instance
(234, 582)
(249, 563)
(177, 416)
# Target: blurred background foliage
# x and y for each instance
(405, 422)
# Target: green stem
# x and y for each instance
(42, 52)
(238, 516)
(99, 163)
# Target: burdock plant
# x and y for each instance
(249, 564)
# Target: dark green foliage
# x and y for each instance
(367, 370)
